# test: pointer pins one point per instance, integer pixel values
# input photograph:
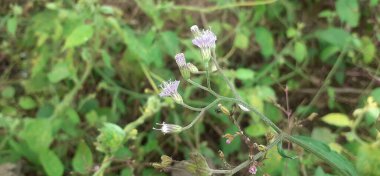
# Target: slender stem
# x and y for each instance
(208, 75)
(190, 107)
(247, 162)
(201, 114)
(226, 6)
(203, 87)
(327, 81)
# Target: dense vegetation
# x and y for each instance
(79, 84)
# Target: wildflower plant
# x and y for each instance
(205, 40)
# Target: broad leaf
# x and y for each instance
(51, 163)
(79, 36)
(348, 11)
(82, 161)
(340, 163)
(337, 119)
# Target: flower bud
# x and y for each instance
(169, 128)
(192, 68)
(224, 110)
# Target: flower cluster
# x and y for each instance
(205, 40)
(184, 67)
(169, 88)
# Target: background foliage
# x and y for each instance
(67, 67)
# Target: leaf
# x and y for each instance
(368, 160)
(323, 134)
(51, 163)
(334, 36)
(110, 139)
(337, 119)
(59, 72)
(265, 39)
(83, 160)
(80, 35)
(337, 161)
(244, 74)
(376, 94)
(241, 41)
(27, 103)
(8, 92)
(37, 133)
(170, 43)
(12, 25)
(256, 130)
(348, 11)
(368, 50)
(281, 151)
(300, 51)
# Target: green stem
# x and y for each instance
(105, 163)
(190, 107)
(208, 75)
(327, 81)
(202, 87)
(201, 114)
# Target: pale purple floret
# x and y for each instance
(252, 169)
(180, 59)
(169, 88)
(206, 39)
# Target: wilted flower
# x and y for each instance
(195, 30)
(205, 40)
(169, 88)
(252, 169)
(168, 128)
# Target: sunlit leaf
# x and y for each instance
(337, 119)
(79, 36)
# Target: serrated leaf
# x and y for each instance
(348, 11)
(337, 119)
(51, 163)
(80, 35)
(265, 40)
(83, 160)
(337, 161)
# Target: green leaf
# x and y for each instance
(323, 134)
(8, 92)
(328, 52)
(368, 160)
(241, 41)
(334, 36)
(256, 130)
(376, 94)
(83, 160)
(37, 133)
(27, 103)
(170, 43)
(368, 50)
(337, 161)
(281, 151)
(300, 51)
(337, 119)
(12, 25)
(348, 11)
(80, 35)
(51, 163)
(59, 72)
(244, 74)
(265, 40)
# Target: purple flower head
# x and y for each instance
(205, 40)
(252, 169)
(180, 59)
(168, 128)
(169, 88)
